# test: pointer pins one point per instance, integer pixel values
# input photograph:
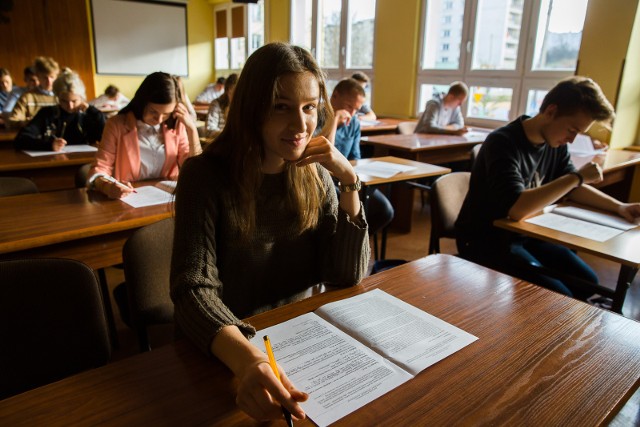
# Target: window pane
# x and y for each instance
(362, 14)
(256, 26)
(329, 33)
(301, 16)
(443, 34)
(534, 100)
(559, 34)
(237, 53)
(429, 91)
(490, 102)
(495, 45)
(222, 53)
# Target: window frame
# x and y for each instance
(227, 7)
(342, 71)
(521, 79)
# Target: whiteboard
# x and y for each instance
(134, 37)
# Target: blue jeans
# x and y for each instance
(525, 252)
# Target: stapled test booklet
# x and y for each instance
(350, 352)
(587, 223)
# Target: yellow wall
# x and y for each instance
(396, 57)
(278, 26)
(200, 55)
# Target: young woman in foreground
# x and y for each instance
(258, 221)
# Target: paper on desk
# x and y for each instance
(147, 196)
(577, 227)
(601, 218)
(582, 145)
(369, 122)
(382, 169)
(82, 148)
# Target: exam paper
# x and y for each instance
(382, 169)
(339, 373)
(369, 122)
(82, 148)
(577, 227)
(582, 145)
(343, 354)
(147, 196)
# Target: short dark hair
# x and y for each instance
(349, 87)
(458, 89)
(156, 88)
(4, 72)
(221, 80)
(29, 71)
(360, 76)
(111, 91)
(578, 93)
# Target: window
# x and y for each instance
(509, 52)
(239, 31)
(339, 33)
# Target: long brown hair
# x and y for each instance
(156, 88)
(241, 144)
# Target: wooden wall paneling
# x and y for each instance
(56, 28)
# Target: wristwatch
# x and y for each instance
(351, 187)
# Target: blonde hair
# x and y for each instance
(45, 65)
(242, 146)
(69, 81)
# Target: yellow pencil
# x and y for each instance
(274, 367)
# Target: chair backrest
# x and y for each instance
(52, 322)
(147, 265)
(407, 128)
(446, 197)
(15, 186)
(82, 175)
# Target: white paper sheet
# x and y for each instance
(369, 122)
(82, 148)
(577, 227)
(582, 145)
(344, 355)
(147, 196)
(609, 220)
(382, 169)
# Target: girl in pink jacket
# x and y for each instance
(148, 139)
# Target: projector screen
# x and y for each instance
(134, 37)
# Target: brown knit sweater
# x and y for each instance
(27, 107)
(217, 277)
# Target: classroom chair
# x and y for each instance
(15, 186)
(82, 175)
(474, 155)
(446, 197)
(143, 299)
(52, 322)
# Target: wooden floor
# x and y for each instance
(403, 246)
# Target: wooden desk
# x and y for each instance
(384, 126)
(426, 148)
(623, 249)
(400, 193)
(7, 136)
(541, 359)
(56, 172)
(618, 167)
(201, 111)
(77, 224)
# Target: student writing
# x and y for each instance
(442, 114)
(150, 138)
(72, 121)
(257, 221)
(525, 166)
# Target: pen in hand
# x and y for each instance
(274, 367)
(115, 181)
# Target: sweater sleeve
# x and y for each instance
(213, 119)
(429, 120)
(345, 240)
(196, 288)
(33, 136)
